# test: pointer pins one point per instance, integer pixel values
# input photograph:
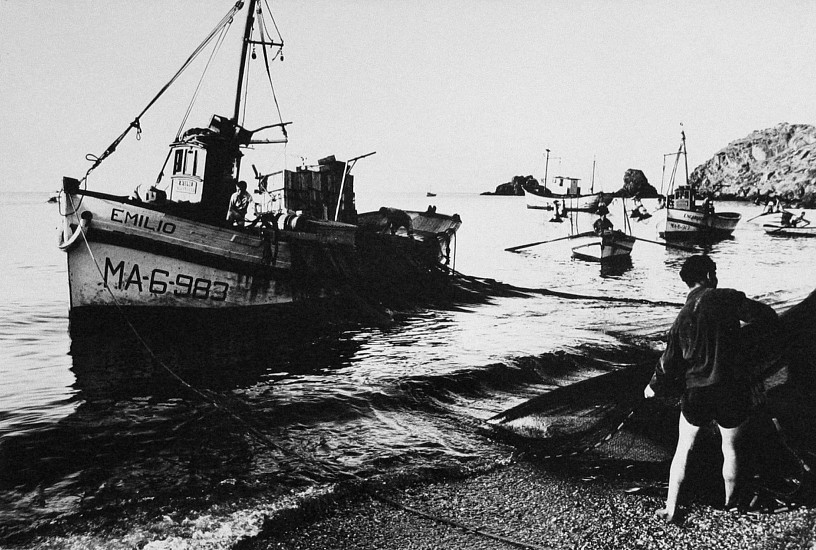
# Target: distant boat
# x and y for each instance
(429, 194)
(639, 210)
(569, 196)
(298, 245)
(789, 231)
(788, 226)
(686, 216)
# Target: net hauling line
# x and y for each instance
(265, 440)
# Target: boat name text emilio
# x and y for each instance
(160, 281)
(120, 215)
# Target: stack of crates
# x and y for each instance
(314, 191)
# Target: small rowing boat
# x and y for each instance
(789, 231)
(610, 246)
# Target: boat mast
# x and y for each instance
(546, 165)
(592, 182)
(685, 153)
(250, 20)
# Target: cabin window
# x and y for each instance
(195, 162)
(178, 161)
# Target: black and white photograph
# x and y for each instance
(367, 274)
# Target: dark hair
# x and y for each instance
(696, 269)
(242, 185)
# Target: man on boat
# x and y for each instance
(602, 224)
(238, 205)
(557, 217)
(800, 220)
(703, 354)
(395, 219)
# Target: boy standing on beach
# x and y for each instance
(703, 351)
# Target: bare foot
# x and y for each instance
(664, 514)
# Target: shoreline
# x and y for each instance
(532, 505)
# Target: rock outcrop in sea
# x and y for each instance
(514, 187)
(635, 183)
(778, 162)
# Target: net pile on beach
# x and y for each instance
(606, 417)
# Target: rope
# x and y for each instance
(573, 296)
(459, 525)
(215, 50)
(263, 32)
(225, 21)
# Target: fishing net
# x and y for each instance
(607, 417)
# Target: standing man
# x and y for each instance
(703, 351)
(239, 204)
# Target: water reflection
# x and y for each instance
(163, 412)
(617, 267)
(147, 353)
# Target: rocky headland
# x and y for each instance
(778, 162)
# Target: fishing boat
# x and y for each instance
(689, 216)
(567, 192)
(170, 244)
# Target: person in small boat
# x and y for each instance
(703, 355)
(238, 205)
(639, 212)
(602, 224)
(557, 218)
(787, 219)
(708, 206)
(800, 220)
(395, 219)
(769, 207)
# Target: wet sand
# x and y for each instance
(530, 505)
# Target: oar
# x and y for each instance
(519, 247)
(755, 217)
(668, 245)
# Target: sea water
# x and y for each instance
(162, 420)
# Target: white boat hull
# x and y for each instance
(136, 278)
(688, 224)
(581, 203)
(787, 231)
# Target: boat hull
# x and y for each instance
(786, 231)
(690, 224)
(611, 247)
(576, 203)
(132, 277)
(131, 254)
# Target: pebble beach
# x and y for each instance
(528, 505)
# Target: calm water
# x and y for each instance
(95, 423)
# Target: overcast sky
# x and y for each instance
(454, 96)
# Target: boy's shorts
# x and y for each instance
(727, 406)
